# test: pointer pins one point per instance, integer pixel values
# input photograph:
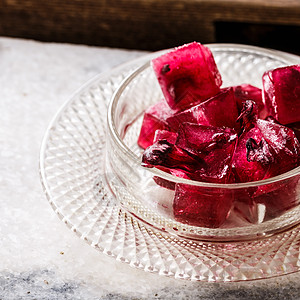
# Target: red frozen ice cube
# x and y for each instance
(166, 157)
(187, 75)
(245, 207)
(248, 115)
(252, 158)
(154, 118)
(265, 151)
(252, 161)
(278, 197)
(171, 138)
(201, 206)
(282, 94)
(165, 135)
(214, 145)
(285, 146)
(219, 111)
(246, 92)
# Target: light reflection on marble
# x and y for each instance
(40, 257)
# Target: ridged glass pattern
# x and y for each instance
(74, 179)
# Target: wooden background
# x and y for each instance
(154, 24)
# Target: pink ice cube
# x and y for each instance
(246, 92)
(165, 135)
(154, 118)
(296, 128)
(167, 157)
(282, 94)
(278, 197)
(265, 151)
(187, 75)
(284, 143)
(214, 145)
(219, 111)
(201, 206)
(252, 158)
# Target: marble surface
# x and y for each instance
(40, 257)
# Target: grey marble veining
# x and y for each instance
(45, 284)
(40, 258)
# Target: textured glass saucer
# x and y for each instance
(72, 174)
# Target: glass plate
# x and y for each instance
(73, 176)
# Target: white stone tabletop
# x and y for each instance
(40, 258)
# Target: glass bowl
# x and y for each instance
(259, 209)
(83, 185)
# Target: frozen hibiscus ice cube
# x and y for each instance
(170, 136)
(264, 151)
(168, 157)
(187, 75)
(154, 118)
(285, 146)
(219, 111)
(278, 197)
(252, 158)
(282, 94)
(248, 115)
(169, 184)
(246, 92)
(201, 206)
(214, 145)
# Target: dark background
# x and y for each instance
(154, 24)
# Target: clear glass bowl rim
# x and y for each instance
(293, 59)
